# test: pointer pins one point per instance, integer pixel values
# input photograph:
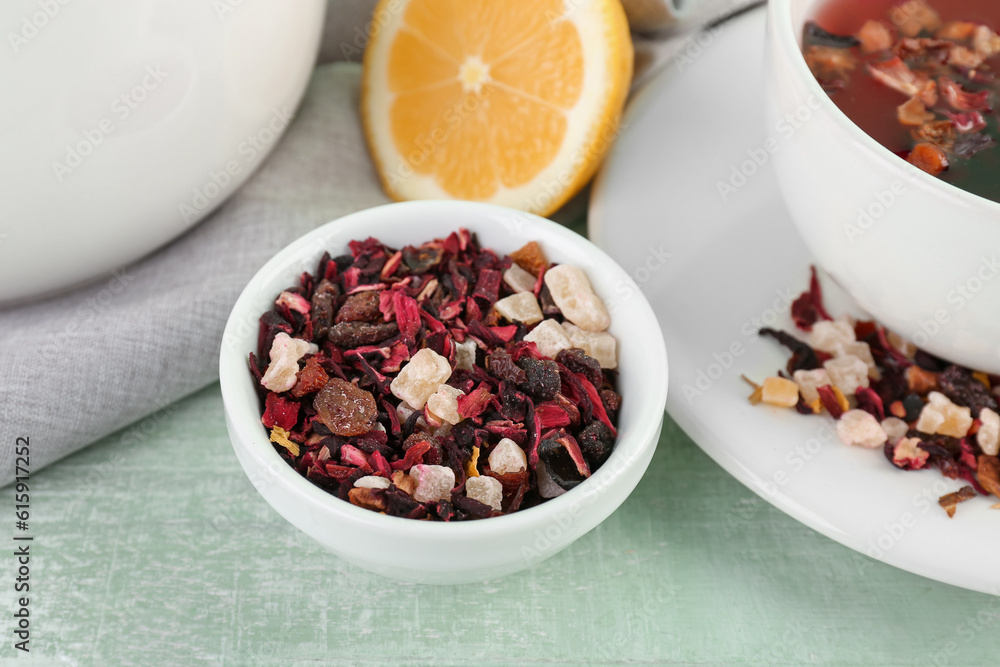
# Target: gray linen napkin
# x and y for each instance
(76, 367)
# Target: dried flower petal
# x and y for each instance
(961, 99)
(280, 411)
(472, 465)
(895, 74)
(280, 436)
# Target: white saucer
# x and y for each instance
(733, 265)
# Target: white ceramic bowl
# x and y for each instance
(125, 122)
(450, 553)
(917, 253)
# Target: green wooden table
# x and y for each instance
(151, 547)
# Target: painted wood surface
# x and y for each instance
(152, 548)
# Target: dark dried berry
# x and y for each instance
(502, 366)
(417, 438)
(444, 510)
(578, 361)
(958, 384)
(345, 409)
(323, 308)
(513, 404)
(596, 442)
(360, 307)
(612, 401)
(542, 382)
(913, 404)
(558, 464)
(347, 335)
(397, 503)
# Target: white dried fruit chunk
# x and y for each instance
(572, 293)
(600, 345)
(507, 457)
(518, 279)
(285, 354)
(944, 417)
(521, 307)
(862, 351)
(433, 482)
(465, 355)
(372, 482)
(827, 335)
(895, 428)
(420, 377)
(779, 391)
(988, 436)
(486, 490)
(444, 403)
(847, 373)
(549, 337)
(859, 429)
(930, 420)
(810, 381)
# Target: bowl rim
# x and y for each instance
(628, 452)
(785, 35)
